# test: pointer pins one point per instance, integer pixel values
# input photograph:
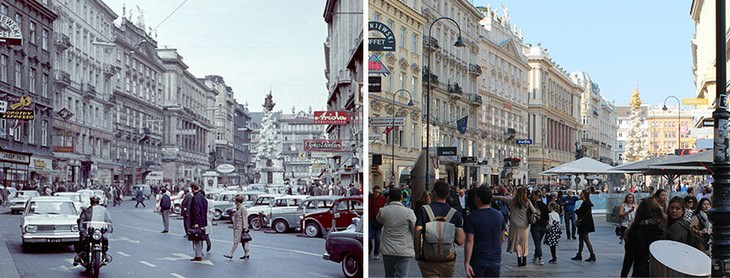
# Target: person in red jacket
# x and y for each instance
(376, 201)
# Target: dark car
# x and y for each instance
(345, 247)
(342, 212)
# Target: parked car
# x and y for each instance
(249, 197)
(79, 202)
(49, 220)
(146, 191)
(262, 202)
(315, 204)
(342, 212)
(222, 201)
(345, 247)
(17, 204)
(255, 187)
(283, 214)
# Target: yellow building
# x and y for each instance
(663, 129)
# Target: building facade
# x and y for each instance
(242, 145)
(401, 144)
(598, 118)
(26, 73)
(554, 114)
(702, 13)
(187, 123)
(663, 130)
(344, 70)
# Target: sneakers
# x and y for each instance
(553, 261)
(376, 257)
(539, 261)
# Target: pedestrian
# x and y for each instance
(648, 226)
(198, 220)
(484, 237)
(690, 203)
(539, 228)
(139, 197)
(398, 223)
(660, 196)
(568, 203)
(240, 227)
(626, 214)
(585, 226)
(354, 191)
(552, 236)
(209, 228)
(679, 229)
(184, 205)
(165, 205)
(462, 202)
(376, 201)
(442, 264)
(700, 223)
(519, 230)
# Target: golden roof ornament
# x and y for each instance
(635, 100)
(268, 102)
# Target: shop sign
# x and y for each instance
(225, 168)
(381, 44)
(63, 149)
(16, 111)
(10, 31)
(14, 157)
(323, 145)
(446, 151)
(41, 163)
(331, 117)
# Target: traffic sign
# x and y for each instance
(446, 151)
(388, 121)
(524, 141)
(468, 159)
(708, 122)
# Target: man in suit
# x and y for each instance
(198, 219)
(184, 204)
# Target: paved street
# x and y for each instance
(609, 255)
(140, 250)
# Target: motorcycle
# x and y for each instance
(93, 257)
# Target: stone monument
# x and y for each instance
(269, 162)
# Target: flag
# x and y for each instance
(388, 129)
(461, 125)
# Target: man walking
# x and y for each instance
(198, 213)
(376, 202)
(442, 263)
(165, 205)
(482, 253)
(398, 224)
(139, 196)
(184, 204)
(569, 210)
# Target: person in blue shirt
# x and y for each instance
(568, 203)
(483, 252)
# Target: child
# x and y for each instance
(553, 230)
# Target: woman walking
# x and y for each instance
(539, 228)
(626, 212)
(648, 227)
(240, 226)
(585, 226)
(553, 230)
(679, 229)
(700, 223)
(519, 226)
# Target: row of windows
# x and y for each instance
(32, 76)
(25, 131)
(32, 29)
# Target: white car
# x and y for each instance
(278, 205)
(87, 193)
(49, 220)
(79, 202)
(17, 204)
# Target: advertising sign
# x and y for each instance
(10, 31)
(387, 121)
(16, 110)
(694, 101)
(64, 114)
(331, 117)
(323, 145)
(375, 66)
(468, 159)
(225, 168)
(381, 44)
(14, 157)
(374, 84)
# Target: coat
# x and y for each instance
(585, 218)
(638, 239)
(185, 204)
(198, 211)
(240, 223)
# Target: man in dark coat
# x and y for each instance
(184, 204)
(139, 197)
(165, 206)
(198, 219)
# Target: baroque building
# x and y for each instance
(401, 144)
(598, 118)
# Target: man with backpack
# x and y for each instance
(438, 228)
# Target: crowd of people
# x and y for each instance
(399, 233)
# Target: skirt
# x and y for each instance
(518, 238)
(552, 237)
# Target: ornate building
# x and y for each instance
(598, 116)
(223, 108)
(401, 144)
(702, 13)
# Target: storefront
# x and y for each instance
(41, 170)
(15, 167)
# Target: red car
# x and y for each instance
(345, 247)
(342, 212)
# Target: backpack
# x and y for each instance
(438, 237)
(503, 208)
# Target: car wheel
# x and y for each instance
(311, 229)
(217, 215)
(281, 226)
(351, 266)
(176, 209)
(255, 223)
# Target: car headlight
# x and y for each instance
(301, 217)
(74, 228)
(31, 229)
(96, 235)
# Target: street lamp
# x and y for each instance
(392, 126)
(459, 43)
(679, 126)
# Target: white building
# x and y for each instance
(598, 116)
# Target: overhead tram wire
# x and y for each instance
(168, 16)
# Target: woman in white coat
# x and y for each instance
(240, 225)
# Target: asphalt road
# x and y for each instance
(140, 250)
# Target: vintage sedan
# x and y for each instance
(341, 214)
(283, 214)
(249, 197)
(315, 204)
(345, 247)
(17, 204)
(49, 220)
(222, 201)
(79, 201)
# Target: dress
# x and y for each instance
(585, 218)
(552, 237)
(519, 232)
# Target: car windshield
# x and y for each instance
(72, 197)
(51, 208)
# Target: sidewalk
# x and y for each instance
(7, 265)
(609, 258)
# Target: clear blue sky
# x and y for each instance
(255, 45)
(619, 43)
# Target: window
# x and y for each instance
(3, 9)
(32, 32)
(403, 37)
(44, 133)
(414, 43)
(3, 128)
(44, 85)
(31, 86)
(44, 39)
(4, 68)
(376, 16)
(15, 130)
(31, 132)
(18, 74)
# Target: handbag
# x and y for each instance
(196, 233)
(245, 236)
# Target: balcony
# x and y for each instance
(434, 78)
(430, 42)
(475, 70)
(455, 89)
(62, 42)
(110, 70)
(474, 99)
(88, 91)
(63, 78)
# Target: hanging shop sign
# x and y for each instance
(374, 84)
(376, 66)
(20, 109)
(386, 121)
(446, 151)
(64, 114)
(381, 44)
(225, 168)
(10, 31)
(14, 157)
(323, 145)
(331, 117)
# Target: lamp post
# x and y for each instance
(679, 126)
(392, 126)
(459, 43)
(719, 214)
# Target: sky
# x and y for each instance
(619, 43)
(256, 46)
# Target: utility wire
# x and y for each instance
(168, 16)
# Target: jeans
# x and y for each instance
(489, 269)
(375, 232)
(538, 232)
(570, 223)
(396, 266)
